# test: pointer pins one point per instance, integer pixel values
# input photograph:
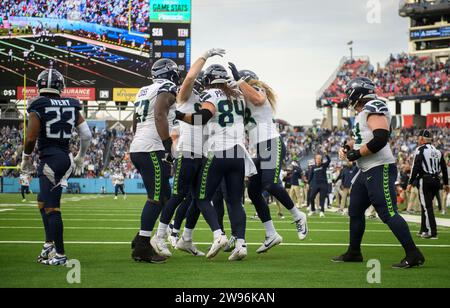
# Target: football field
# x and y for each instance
(98, 232)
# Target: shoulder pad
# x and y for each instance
(376, 106)
(168, 87)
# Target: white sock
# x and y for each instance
(187, 234)
(162, 230)
(296, 214)
(145, 233)
(270, 228)
(239, 243)
(217, 233)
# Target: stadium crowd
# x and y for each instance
(403, 75)
(113, 13)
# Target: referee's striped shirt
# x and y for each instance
(428, 161)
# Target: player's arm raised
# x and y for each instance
(188, 83)
(85, 140)
(379, 125)
(33, 130)
(250, 93)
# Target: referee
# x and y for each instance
(428, 165)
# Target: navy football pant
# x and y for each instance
(377, 187)
(230, 166)
(270, 155)
(322, 190)
(119, 188)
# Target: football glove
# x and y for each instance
(234, 71)
(79, 165)
(214, 52)
(168, 148)
(27, 164)
(353, 155)
(233, 84)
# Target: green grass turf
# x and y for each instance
(301, 264)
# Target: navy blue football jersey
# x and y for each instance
(58, 116)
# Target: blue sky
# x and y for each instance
(295, 45)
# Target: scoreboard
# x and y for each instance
(172, 41)
(170, 31)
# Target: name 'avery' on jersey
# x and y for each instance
(226, 127)
(58, 117)
(146, 137)
(363, 134)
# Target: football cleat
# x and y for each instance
(47, 252)
(189, 247)
(229, 247)
(115, 198)
(302, 227)
(56, 261)
(413, 260)
(169, 231)
(270, 242)
(173, 239)
(238, 254)
(280, 215)
(427, 236)
(143, 252)
(311, 213)
(217, 245)
(160, 247)
(322, 214)
(24, 200)
(349, 257)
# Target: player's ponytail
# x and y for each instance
(271, 97)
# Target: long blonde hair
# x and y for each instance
(271, 96)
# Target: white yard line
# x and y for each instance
(6, 210)
(208, 243)
(442, 222)
(201, 229)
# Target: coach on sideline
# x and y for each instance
(428, 165)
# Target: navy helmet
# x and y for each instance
(214, 74)
(248, 75)
(50, 81)
(199, 84)
(166, 69)
(358, 88)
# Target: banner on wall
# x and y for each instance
(439, 119)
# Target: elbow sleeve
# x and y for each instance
(379, 141)
(201, 117)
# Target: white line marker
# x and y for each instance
(207, 243)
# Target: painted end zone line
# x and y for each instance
(251, 244)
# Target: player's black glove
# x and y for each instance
(353, 155)
(234, 71)
(179, 115)
(168, 148)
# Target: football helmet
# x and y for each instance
(214, 74)
(358, 88)
(248, 75)
(166, 69)
(199, 84)
(50, 81)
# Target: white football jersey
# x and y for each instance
(118, 179)
(191, 136)
(146, 137)
(363, 134)
(24, 180)
(226, 128)
(259, 122)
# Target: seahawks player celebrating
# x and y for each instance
(222, 112)
(51, 122)
(375, 183)
(151, 150)
(188, 163)
(271, 151)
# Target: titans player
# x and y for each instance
(375, 183)
(151, 150)
(51, 122)
(24, 181)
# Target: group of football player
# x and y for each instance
(217, 114)
(223, 118)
